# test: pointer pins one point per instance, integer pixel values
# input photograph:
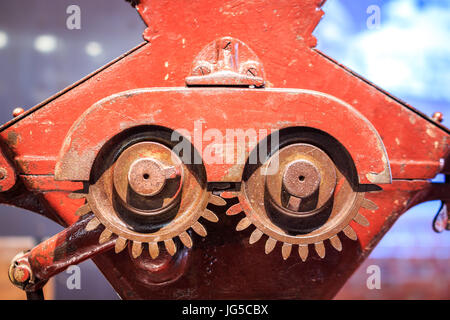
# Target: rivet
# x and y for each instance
(17, 112)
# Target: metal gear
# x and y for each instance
(300, 196)
(144, 194)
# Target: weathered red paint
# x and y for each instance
(280, 34)
(267, 110)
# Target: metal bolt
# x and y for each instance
(301, 179)
(438, 117)
(17, 112)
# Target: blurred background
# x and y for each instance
(405, 50)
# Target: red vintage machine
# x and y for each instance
(328, 160)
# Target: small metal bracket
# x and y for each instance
(226, 62)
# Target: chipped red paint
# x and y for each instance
(327, 96)
(71, 246)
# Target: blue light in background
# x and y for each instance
(409, 56)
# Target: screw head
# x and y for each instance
(438, 117)
(301, 178)
(17, 112)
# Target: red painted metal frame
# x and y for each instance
(280, 34)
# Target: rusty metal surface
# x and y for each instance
(322, 219)
(304, 172)
(226, 62)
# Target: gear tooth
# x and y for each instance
(303, 252)
(350, 233)
(92, 224)
(186, 239)
(255, 236)
(336, 242)
(360, 219)
(77, 195)
(199, 229)
(170, 246)
(153, 250)
(234, 209)
(217, 201)
(121, 244)
(243, 224)
(286, 250)
(270, 245)
(320, 249)
(105, 236)
(136, 249)
(228, 195)
(84, 209)
(368, 204)
(210, 216)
